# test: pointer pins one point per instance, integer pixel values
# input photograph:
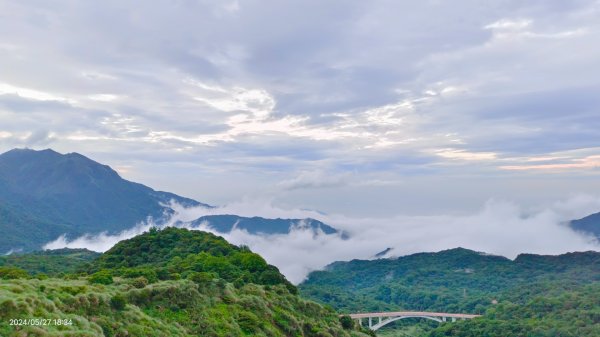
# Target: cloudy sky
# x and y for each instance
(361, 108)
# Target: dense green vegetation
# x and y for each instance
(170, 282)
(174, 253)
(565, 312)
(456, 280)
(166, 308)
(51, 262)
(461, 280)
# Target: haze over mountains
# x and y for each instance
(45, 194)
(53, 200)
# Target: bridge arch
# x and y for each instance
(384, 318)
(393, 319)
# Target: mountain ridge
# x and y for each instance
(341, 283)
(224, 223)
(589, 224)
(45, 194)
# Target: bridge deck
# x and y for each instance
(411, 313)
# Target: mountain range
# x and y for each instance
(45, 194)
(176, 282)
(226, 223)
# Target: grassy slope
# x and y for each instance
(166, 308)
(170, 282)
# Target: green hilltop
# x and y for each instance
(171, 282)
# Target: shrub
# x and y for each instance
(271, 277)
(118, 302)
(12, 273)
(202, 277)
(101, 277)
(41, 276)
(248, 322)
(140, 282)
(70, 276)
(347, 322)
(73, 290)
(7, 307)
(162, 274)
(148, 273)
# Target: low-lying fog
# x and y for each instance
(499, 227)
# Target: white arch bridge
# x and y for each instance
(376, 320)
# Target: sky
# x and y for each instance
(411, 125)
(363, 109)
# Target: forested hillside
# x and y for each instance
(51, 262)
(556, 309)
(525, 295)
(170, 282)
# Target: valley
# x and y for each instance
(173, 279)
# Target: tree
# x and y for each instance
(347, 322)
(101, 277)
(12, 273)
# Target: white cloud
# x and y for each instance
(498, 228)
(103, 97)
(257, 101)
(465, 155)
(509, 24)
(368, 88)
(315, 179)
(9, 89)
(589, 162)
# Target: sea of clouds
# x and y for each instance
(499, 227)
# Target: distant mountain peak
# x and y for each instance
(382, 253)
(51, 194)
(225, 223)
(28, 151)
(589, 225)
